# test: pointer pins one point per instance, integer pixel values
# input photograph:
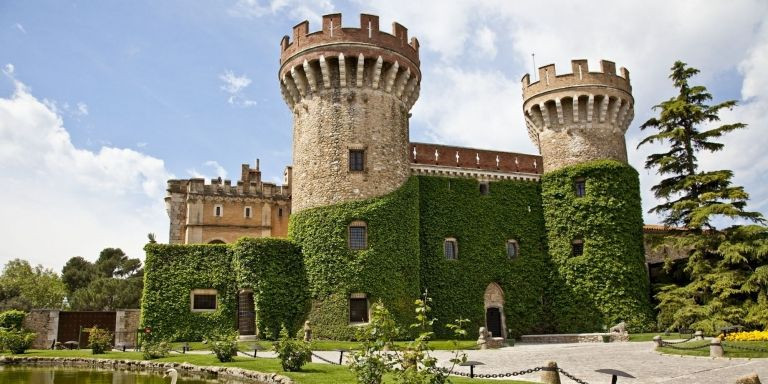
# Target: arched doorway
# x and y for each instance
(494, 311)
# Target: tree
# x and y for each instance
(78, 273)
(24, 287)
(108, 294)
(727, 267)
(113, 281)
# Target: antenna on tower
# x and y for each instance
(533, 59)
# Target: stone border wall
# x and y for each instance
(183, 368)
(567, 338)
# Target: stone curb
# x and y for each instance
(231, 372)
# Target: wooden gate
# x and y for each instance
(70, 324)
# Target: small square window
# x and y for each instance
(451, 249)
(484, 188)
(247, 212)
(218, 210)
(358, 235)
(513, 249)
(577, 247)
(357, 160)
(358, 309)
(580, 186)
(203, 300)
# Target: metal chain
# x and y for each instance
(496, 375)
(679, 342)
(324, 359)
(753, 349)
(568, 375)
(673, 346)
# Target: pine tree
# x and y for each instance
(727, 267)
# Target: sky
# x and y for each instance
(102, 102)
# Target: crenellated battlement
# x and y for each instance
(332, 33)
(250, 185)
(348, 59)
(579, 116)
(580, 76)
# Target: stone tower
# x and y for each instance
(350, 91)
(580, 116)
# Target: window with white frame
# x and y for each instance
(358, 308)
(218, 210)
(513, 249)
(247, 212)
(203, 300)
(451, 249)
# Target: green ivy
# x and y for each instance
(482, 225)
(274, 269)
(387, 270)
(171, 272)
(608, 283)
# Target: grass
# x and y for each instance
(649, 336)
(729, 352)
(312, 373)
(327, 345)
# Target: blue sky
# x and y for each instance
(101, 102)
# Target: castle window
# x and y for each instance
(280, 212)
(484, 188)
(216, 241)
(203, 300)
(580, 186)
(218, 210)
(247, 212)
(358, 308)
(513, 249)
(451, 249)
(358, 235)
(357, 160)
(577, 247)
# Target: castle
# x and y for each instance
(518, 243)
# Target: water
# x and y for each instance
(56, 375)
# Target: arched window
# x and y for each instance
(357, 235)
(216, 241)
(484, 188)
(580, 187)
(577, 247)
(451, 249)
(513, 249)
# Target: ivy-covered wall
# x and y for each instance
(387, 270)
(171, 272)
(274, 270)
(482, 225)
(608, 283)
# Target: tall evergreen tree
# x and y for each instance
(727, 267)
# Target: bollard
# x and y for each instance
(748, 379)
(307, 331)
(550, 374)
(715, 348)
(699, 335)
(658, 341)
(482, 338)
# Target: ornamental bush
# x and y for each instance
(293, 353)
(224, 346)
(16, 340)
(100, 340)
(747, 336)
(12, 319)
(155, 349)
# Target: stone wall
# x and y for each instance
(126, 325)
(567, 338)
(45, 323)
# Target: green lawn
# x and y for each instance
(327, 345)
(313, 373)
(729, 352)
(649, 336)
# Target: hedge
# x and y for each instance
(608, 283)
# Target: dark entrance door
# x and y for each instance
(71, 323)
(493, 322)
(246, 316)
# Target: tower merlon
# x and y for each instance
(580, 76)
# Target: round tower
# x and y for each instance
(578, 117)
(350, 91)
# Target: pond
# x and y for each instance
(58, 375)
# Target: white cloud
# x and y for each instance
(20, 28)
(295, 9)
(486, 42)
(64, 201)
(218, 171)
(8, 69)
(235, 85)
(82, 109)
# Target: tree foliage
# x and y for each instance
(113, 281)
(25, 287)
(727, 268)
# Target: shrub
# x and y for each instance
(16, 340)
(372, 361)
(155, 349)
(293, 354)
(100, 340)
(224, 346)
(12, 319)
(747, 336)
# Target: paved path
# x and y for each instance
(581, 360)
